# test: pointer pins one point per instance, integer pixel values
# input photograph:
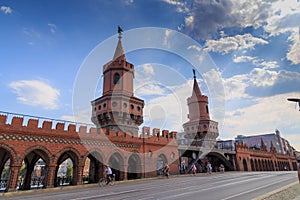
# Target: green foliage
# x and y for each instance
(69, 171)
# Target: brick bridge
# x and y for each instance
(129, 155)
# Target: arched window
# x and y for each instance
(116, 78)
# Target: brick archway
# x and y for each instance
(64, 154)
(30, 157)
(134, 170)
(116, 162)
(95, 166)
(8, 159)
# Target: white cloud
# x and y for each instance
(6, 9)
(36, 93)
(232, 43)
(268, 114)
(293, 54)
(52, 28)
(256, 61)
(128, 2)
(82, 116)
(181, 7)
(148, 69)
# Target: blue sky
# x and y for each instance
(246, 54)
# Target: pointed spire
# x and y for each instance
(263, 147)
(196, 89)
(119, 52)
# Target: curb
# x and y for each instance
(276, 191)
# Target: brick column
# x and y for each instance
(79, 175)
(13, 178)
(50, 176)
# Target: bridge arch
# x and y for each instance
(34, 159)
(7, 160)
(65, 158)
(116, 163)
(216, 158)
(93, 166)
(134, 170)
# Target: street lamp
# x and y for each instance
(297, 101)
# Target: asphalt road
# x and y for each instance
(232, 186)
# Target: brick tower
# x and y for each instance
(118, 108)
(199, 127)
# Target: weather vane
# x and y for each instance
(120, 32)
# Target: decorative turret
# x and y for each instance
(263, 147)
(272, 148)
(118, 108)
(199, 126)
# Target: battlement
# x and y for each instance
(15, 123)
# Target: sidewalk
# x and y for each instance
(289, 192)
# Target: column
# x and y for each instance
(13, 178)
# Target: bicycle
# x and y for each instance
(104, 181)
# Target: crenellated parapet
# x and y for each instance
(67, 130)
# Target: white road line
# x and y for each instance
(232, 196)
(210, 188)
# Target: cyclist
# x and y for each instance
(108, 173)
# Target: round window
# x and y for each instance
(114, 104)
(104, 105)
(138, 108)
(125, 105)
(132, 106)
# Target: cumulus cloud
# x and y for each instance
(206, 18)
(6, 9)
(181, 7)
(36, 93)
(293, 53)
(277, 113)
(256, 61)
(232, 43)
(209, 19)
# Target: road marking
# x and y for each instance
(211, 187)
(232, 196)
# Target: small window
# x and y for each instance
(116, 78)
(104, 105)
(132, 106)
(207, 109)
(138, 108)
(99, 107)
(125, 105)
(114, 104)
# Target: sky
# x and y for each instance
(246, 55)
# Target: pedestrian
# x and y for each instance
(208, 167)
(166, 170)
(222, 168)
(194, 169)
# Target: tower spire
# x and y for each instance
(196, 89)
(119, 52)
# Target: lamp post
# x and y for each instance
(297, 101)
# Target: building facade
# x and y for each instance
(281, 145)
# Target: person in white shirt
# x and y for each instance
(108, 173)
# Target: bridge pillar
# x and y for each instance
(50, 176)
(13, 178)
(80, 175)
